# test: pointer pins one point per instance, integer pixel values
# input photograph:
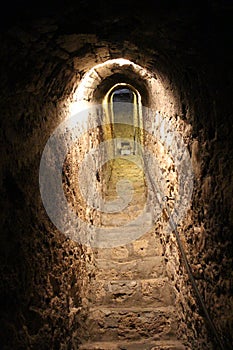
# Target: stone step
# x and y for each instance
(136, 180)
(127, 173)
(117, 209)
(128, 161)
(124, 217)
(147, 344)
(118, 219)
(135, 198)
(124, 293)
(137, 177)
(141, 268)
(148, 245)
(127, 169)
(129, 181)
(135, 192)
(122, 233)
(134, 323)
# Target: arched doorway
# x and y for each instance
(123, 110)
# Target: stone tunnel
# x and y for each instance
(132, 249)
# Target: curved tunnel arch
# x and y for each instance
(98, 80)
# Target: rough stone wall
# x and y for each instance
(210, 235)
(44, 275)
(203, 229)
(81, 184)
(165, 173)
(208, 246)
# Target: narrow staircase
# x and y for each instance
(131, 301)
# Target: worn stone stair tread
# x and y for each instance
(147, 246)
(134, 259)
(115, 236)
(132, 209)
(131, 323)
(114, 220)
(144, 292)
(148, 344)
(159, 279)
(138, 189)
(139, 309)
(102, 261)
(145, 267)
(129, 230)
